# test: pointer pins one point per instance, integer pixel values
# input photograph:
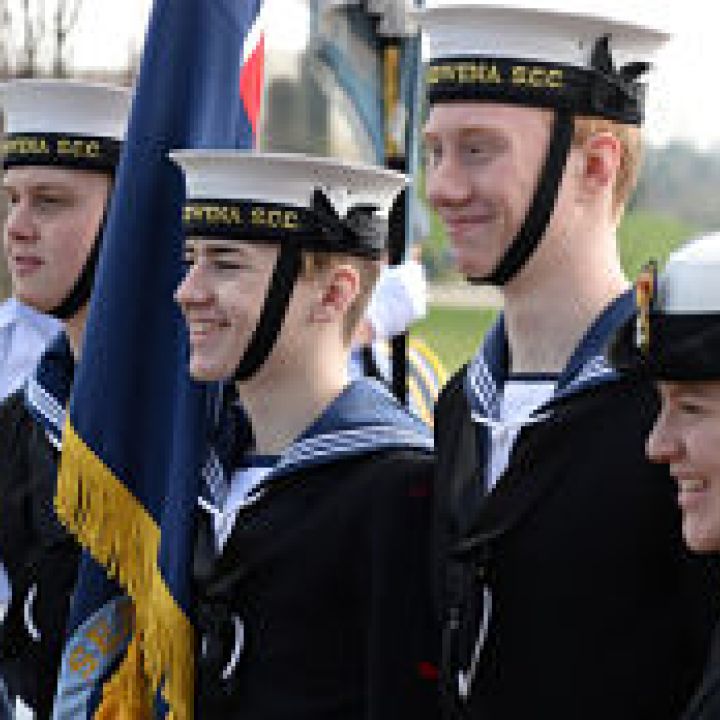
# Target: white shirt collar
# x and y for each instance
(8, 312)
(13, 311)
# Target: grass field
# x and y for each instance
(454, 333)
(647, 236)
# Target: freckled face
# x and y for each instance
(483, 161)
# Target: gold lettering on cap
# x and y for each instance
(465, 73)
(212, 214)
(537, 76)
(25, 146)
(493, 75)
(78, 148)
(275, 218)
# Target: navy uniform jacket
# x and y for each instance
(596, 609)
(329, 574)
(40, 556)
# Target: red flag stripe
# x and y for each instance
(251, 82)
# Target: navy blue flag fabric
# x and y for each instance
(134, 441)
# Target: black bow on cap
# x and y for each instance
(361, 232)
(616, 87)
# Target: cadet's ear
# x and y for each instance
(339, 286)
(601, 156)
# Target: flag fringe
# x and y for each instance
(126, 696)
(119, 533)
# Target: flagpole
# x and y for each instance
(396, 159)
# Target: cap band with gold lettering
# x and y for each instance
(64, 150)
(581, 91)
(361, 232)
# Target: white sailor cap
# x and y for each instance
(676, 332)
(321, 203)
(690, 283)
(63, 122)
(584, 63)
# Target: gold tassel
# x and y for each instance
(127, 695)
(117, 530)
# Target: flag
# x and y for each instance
(134, 440)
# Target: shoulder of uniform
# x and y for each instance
(401, 476)
(14, 421)
(409, 457)
(13, 409)
(634, 398)
(395, 468)
(452, 399)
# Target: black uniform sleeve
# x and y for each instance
(39, 555)
(15, 490)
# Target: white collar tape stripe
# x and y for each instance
(339, 444)
(345, 437)
(213, 475)
(46, 404)
(483, 389)
(54, 440)
(483, 386)
(594, 369)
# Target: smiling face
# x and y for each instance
(221, 298)
(224, 292)
(53, 218)
(687, 437)
(482, 166)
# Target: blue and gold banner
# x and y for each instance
(134, 441)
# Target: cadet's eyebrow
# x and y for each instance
(213, 250)
(224, 248)
(693, 390)
(40, 187)
(467, 131)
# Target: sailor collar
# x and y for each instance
(587, 367)
(47, 391)
(363, 419)
(9, 312)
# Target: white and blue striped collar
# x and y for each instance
(348, 442)
(364, 418)
(586, 368)
(47, 391)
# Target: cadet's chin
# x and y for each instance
(471, 263)
(206, 372)
(702, 534)
(32, 300)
